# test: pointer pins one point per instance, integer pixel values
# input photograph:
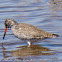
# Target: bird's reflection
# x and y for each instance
(25, 51)
(4, 55)
(4, 51)
(33, 50)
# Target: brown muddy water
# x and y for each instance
(40, 13)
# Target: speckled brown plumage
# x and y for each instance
(27, 31)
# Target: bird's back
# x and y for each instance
(27, 31)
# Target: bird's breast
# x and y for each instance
(21, 33)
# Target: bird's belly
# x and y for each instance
(24, 34)
(21, 35)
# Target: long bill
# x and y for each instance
(5, 32)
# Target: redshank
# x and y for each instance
(26, 31)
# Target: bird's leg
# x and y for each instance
(29, 43)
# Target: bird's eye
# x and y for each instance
(6, 26)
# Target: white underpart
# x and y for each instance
(19, 28)
(54, 36)
(29, 43)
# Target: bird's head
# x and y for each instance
(8, 24)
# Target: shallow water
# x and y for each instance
(40, 13)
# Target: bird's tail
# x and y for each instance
(52, 35)
(56, 35)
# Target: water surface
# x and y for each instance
(40, 13)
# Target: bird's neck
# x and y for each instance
(14, 23)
